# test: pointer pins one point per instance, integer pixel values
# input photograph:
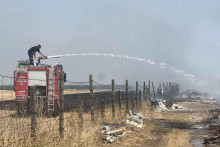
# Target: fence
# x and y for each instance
(82, 105)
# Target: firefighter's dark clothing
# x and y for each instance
(31, 52)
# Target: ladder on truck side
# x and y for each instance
(51, 87)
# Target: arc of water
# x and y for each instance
(161, 65)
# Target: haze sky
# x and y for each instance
(182, 33)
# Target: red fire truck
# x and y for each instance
(45, 79)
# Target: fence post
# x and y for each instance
(33, 112)
(61, 106)
(127, 107)
(154, 91)
(132, 99)
(119, 101)
(103, 107)
(149, 90)
(113, 98)
(136, 94)
(139, 98)
(80, 122)
(91, 97)
(147, 95)
(144, 89)
(80, 114)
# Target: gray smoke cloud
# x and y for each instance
(182, 34)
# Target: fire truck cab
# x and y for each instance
(45, 79)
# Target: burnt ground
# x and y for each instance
(186, 128)
(71, 101)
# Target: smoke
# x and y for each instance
(164, 31)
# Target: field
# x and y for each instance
(7, 95)
(166, 129)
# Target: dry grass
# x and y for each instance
(7, 95)
(15, 131)
(178, 138)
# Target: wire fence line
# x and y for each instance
(94, 96)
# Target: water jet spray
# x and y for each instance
(161, 65)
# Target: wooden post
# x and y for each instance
(91, 98)
(80, 122)
(113, 98)
(149, 90)
(80, 114)
(103, 107)
(144, 88)
(33, 103)
(119, 101)
(61, 106)
(139, 98)
(136, 99)
(154, 91)
(127, 107)
(132, 99)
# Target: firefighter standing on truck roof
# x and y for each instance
(32, 52)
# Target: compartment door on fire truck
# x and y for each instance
(37, 78)
(21, 88)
